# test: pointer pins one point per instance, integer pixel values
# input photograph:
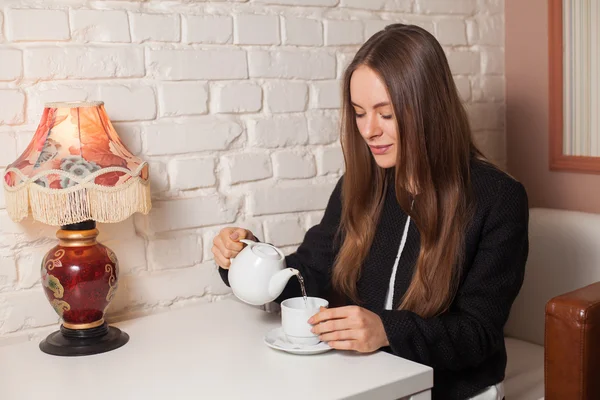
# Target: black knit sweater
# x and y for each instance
(465, 346)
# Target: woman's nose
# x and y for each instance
(371, 127)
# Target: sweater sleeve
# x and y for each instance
(315, 256)
(472, 329)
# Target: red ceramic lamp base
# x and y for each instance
(80, 278)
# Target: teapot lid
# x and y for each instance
(266, 251)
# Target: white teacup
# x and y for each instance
(294, 319)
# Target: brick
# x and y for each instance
(42, 25)
(131, 135)
(165, 288)
(472, 31)
(159, 177)
(313, 218)
(379, 5)
(197, 64)
(491, 30)
(209, 234)
(256, 29)
(8, 149)
(190, 135)
(215, 29)
(84, 62)
(330, 160)
(284, 232)
(486, 116)
(129, 103)
(248, 166)
(278, 131)
(302, 32)
(294, 164)
(451, 32)
(492, 61)
(326, 3)
(323, 128)
(155, 27)
(11, 65)
(46, 92)
(182, 98)
(131, 254)
(192, 173)
(374, 26)
(13, 107)
(100, 26)
(278, 200)
(343, 32)
(25, 308)
(464, 62)
(189, 213)
(493, 88)
(326, 94)
(28, 230)
(28, 265)
(463, 85)
(116, 231)
(236, 97)
(174, 252)
(291, 64)
(464, 7)
(343, 61)
(8, 272)
(491, 6)
(286, 96)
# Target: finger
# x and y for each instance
(348, 334)
(343, 344)
(332, 325)
(231, 239)
(238, 234)
(330, 313)
(234, 246)
(221, 261)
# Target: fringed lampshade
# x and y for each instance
(76, 171)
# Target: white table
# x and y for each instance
(207, 351)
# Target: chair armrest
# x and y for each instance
(572, 345)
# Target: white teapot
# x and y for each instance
(258, 274)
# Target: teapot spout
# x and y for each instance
(279, 281)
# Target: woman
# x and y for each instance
(424, 239)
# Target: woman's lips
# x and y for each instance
(378, 150)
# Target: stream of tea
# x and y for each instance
(303, 288)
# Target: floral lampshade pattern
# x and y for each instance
(76, 168)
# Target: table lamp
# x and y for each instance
(75, 172)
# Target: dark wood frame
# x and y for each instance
(559, 161)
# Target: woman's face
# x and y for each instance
(374, 115)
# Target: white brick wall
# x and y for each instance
(235, 105)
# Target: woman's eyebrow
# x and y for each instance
(382, 104)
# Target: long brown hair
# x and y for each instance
(434, 153)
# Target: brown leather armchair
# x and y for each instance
(552, 336)
(572, 345)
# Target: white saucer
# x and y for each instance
(276, 339)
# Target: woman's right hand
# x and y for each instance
(227, 245)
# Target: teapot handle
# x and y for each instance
(247, 241)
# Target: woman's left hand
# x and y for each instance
(350, 328)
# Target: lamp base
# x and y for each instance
(84, 342)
